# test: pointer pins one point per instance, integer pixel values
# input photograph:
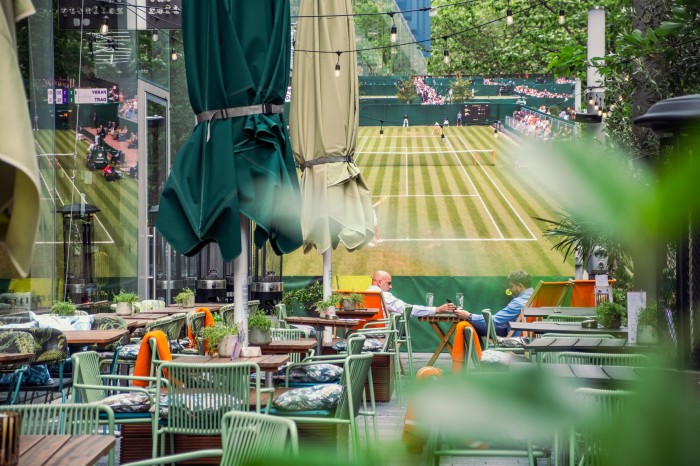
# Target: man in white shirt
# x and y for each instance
(381, 281)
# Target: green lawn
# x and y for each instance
(440, 213)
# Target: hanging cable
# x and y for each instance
(337, 65)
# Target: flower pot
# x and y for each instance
(647, 335)
(349, 305)
(124, 309)
(258, 337)
(227, 346)
(188, 303)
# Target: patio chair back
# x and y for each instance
(293, 334)
(15, 342)
(603, 359)
(195, 321)
(404, 336)
(151, 304)
(170, 325)
(490, 338)
(226, 313)
(64, 419)
(252, 437)
(86, 371)
(355, 372)
(281, 311)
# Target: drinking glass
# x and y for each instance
(460, 300)
(429, 299)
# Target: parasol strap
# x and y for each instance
(320, 160)
(233, 112)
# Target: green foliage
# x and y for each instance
(124, 297)
(406, 91)
(651, 315)
(461, 90)
(303, 296)
(214, 333)
(569, 61)
(608, 312)
(333, 301)
(257, 319)
(356, 298)
(63, 308)
(185, 295)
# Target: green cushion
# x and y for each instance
(318, 397)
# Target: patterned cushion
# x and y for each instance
(495, 358)
(195, 405)
(76, 322)
(37, 375)
(132, 402)
(513, 342)
(316, 373)
(50, 344)
(371, 345)
(310, 398)
(129, 352)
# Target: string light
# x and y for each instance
(154, 37)
(173, 56)
(394, 30)
(446, 54)
(495, 132)
(509, 15)
(104, 28)
(562, 18)
(596, 106)
(337, 65)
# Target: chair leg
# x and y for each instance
(409, 351)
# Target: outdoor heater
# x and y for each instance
(170, 271)
(78, 249)
(210, 287)
(267, 286)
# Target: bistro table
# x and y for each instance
(16, 358)
(565, 327)
(267, 363)
(444, 337)
(288, 346)
(319, 324)
(559, 311)
(63, 450)
(93, 337)
(170, 310)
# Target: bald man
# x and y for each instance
(381, 281)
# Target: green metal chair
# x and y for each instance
(15, 342)
(600, 407)
(390, 347)
(293, 334)
(356, 369)
(281, 311)
(200, 394)
(151, 304)
(109, 353)
(245, 438)
(604, 359)
(51, 348)
(552, 357)
(195, 321)
(226, 313)
(91, 386)
(66, 419)
(171, 325)
(563, 318)
(490, 341)
(404, 336)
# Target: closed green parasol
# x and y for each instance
(336, 202)
(238, 159)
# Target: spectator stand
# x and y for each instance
(539, 125)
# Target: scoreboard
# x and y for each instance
(476, 113)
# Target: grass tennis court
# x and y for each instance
(444, 207)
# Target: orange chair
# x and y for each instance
(545, 294)
(583, 293)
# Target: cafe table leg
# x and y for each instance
(268, 379)
(444, 340)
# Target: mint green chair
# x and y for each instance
(356, 369)
(551, 357)
(150, 304)
(490, 341)
(245, 438)
(390, 347)
(200, 394)
(603, 359)
(226, 313)
(66, 419)
(404, 337)
(292, 334)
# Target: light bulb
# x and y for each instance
(154, 37)
(381, 134)
(591, 101)
(394, 31)
(446, 59)
(509, 17)
(605, 114)
(173, 56)
(562, 18)
(432, 12)
(600, 112)
(337, 70)
(104, 28)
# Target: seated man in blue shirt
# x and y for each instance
(520, 286)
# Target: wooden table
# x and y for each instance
(288, 346)
(93, 337)
(267, 363)
(320, 324)
(444, 337)
(135, 321)
(559, 311)
(16, 358)
(170, 310)
(564, 327)
(63, 450)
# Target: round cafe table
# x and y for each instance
(320, 324)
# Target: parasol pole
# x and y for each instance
(240, 284)
(328, 289)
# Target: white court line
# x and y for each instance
(426, 195)
(111, 240)
(425, 152)
(454, 240)
(475, 190)
(501, 193)
(406, 159)
(359, 152)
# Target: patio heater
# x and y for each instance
(210, 287)
(267, 286)
(78, 249)
(169, 271)
(679, 284)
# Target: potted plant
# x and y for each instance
(302, 301)
(648, 324)
(259, 328)
(63, 308)
(610, 314)
(220, 339)
(124, 302)
(185, 298)
(352, 301)
(331, 302)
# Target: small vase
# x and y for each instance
(187, 303)
(349, 305)
(124, 309)
(227, 345)
(258, 337)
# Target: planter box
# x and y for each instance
(382, 377)
(136, 444)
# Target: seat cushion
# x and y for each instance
(512, 342)
(370, 344)
(316, 373)
(130, 402)
(317, 397)
(37, 375)
(195, 404)
(495, 358)
(129, 352)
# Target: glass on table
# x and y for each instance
(460, 300)
(429, 299)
